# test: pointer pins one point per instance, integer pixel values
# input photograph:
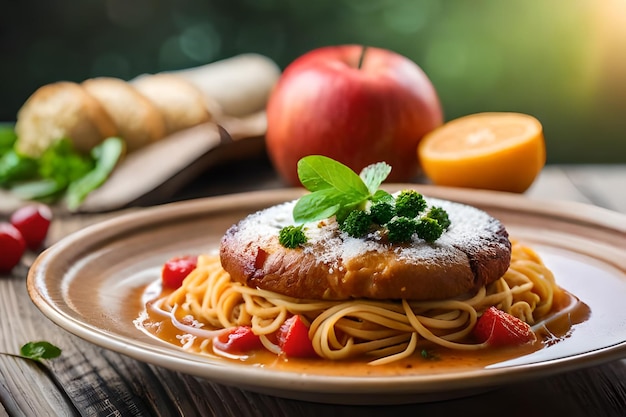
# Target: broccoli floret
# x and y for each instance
(292, 236)
(357, 224)
(409, 203)
(401, 229)
(439, 214)
(382, 212)
(428, 229)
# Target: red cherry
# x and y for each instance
(33, 222)
(12, 246)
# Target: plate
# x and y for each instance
(90, 284)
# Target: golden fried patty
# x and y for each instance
(474, 251)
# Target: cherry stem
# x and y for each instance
(362, 57)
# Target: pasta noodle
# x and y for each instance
(384, 331)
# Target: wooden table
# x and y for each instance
(87, 380)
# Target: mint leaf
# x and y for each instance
(374, 175)
(382, 195)
(336, 190)
(319, 205)
(317, 172)
(39, 350)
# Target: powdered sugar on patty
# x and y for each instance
(474, 249)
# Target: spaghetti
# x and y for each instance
(385, 331)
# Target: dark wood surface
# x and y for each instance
(90, 381)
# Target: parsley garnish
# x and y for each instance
(292, 236)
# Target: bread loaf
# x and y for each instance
(182, 104)
(146, 109)
(136, 118)
(87, 113)
(61, 110)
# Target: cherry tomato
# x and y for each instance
(293, 338)
(498, 328)
(238, 340)
(12, 246)
(175, 270)
(33, 222)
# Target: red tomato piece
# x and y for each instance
(32, 221)
(12, 246)
(293, 338)
(175, 270)
(238, 340)
(498, 328)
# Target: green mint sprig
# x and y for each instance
(358, 205)
(336, 190)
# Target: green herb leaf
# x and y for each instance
(318, 172)
(106, 156)
(40, 350)
(374, 175)
(321, 204)
(382, 196)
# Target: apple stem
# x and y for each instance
(362, 57)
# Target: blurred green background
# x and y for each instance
(563, 61)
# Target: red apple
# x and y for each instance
(356, 109)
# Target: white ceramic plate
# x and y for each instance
(90, 284)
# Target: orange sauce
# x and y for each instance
(430, 359)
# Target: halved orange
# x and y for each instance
(495, 151)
